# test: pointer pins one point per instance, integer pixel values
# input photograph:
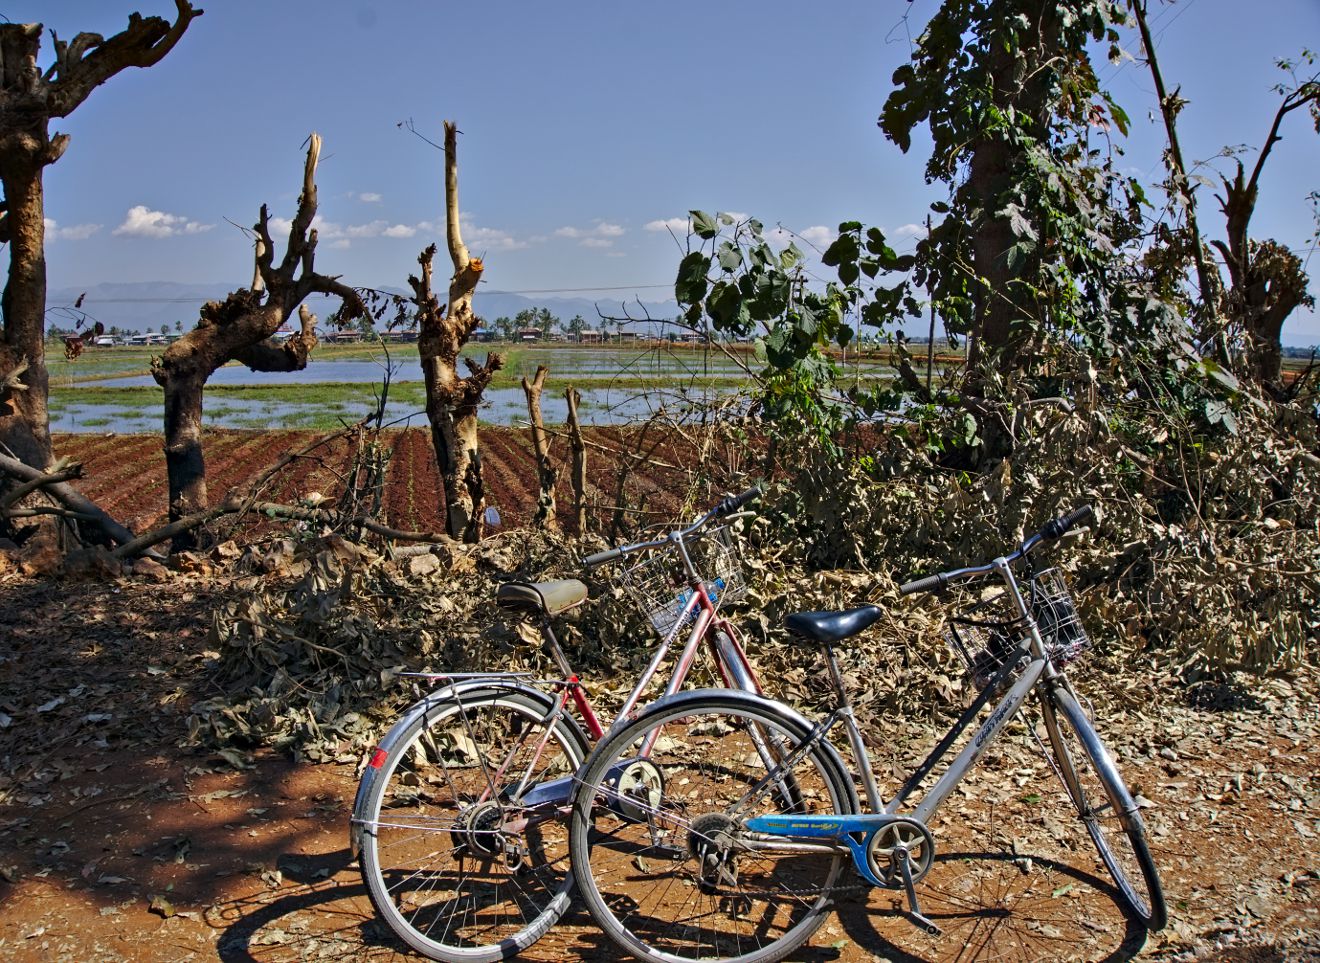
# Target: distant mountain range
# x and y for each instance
(146, 305)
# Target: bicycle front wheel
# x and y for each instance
(659, 846)
(1105, 806)
(458, 859)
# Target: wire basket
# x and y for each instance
(987, 635)
(658, 585)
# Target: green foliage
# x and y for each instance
(1029, 245)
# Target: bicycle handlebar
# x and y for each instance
(722, 509)
(1051, 531)
(600, 558)
(735, 502)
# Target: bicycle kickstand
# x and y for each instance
(914, 909)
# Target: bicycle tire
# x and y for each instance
(439, 866)
(666, 872)
(1105, 807)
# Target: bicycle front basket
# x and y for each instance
(658, 586)
(1056, 614)
(985, 636)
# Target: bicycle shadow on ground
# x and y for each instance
(320, 908)
(326, 914)
(1003, 914)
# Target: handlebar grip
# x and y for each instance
(735, 502)
(927, 584)
(600, 558)
(1056, 528)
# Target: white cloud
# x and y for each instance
(819, 235)
(342, 235)
(490, 239)
(683, 225)
(369, 197)
(679, 225)
(77, 232)
(141, 221)
(600, 234)
(908, 230)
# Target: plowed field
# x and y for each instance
(125, 474)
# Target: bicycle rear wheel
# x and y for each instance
(659, 851)
(1105, 806)
(455, 861)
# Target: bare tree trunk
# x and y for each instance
(29, 99)
(451, 400)
(546, 471)
(579, 473)
(185, 464)
(239, 329)
(1004, 305)
(24, 420)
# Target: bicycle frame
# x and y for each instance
(548, 800)
(854, 833)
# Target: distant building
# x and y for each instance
(587, 336)
(527, 334)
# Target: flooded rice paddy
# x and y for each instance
(112, 390)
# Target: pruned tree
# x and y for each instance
(1266, 280)
(579, 470)
(451, 399)
(29, 100)
(240, 329)
(547, 472)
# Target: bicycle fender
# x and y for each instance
(754, 701)
(462, 690)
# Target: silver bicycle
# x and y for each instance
(737, 846)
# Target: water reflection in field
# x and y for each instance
(502, 406)
(617, 384)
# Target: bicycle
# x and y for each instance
(460, 819)
(732, 855)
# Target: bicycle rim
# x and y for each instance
(659, 852)
(1103, 803)
(452, 863)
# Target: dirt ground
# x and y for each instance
(115, 844)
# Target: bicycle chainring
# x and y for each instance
(882, 852)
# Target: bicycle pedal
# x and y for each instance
(926, 924)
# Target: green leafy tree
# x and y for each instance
(576, 325)
(1037, 212)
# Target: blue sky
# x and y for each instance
(586, 127)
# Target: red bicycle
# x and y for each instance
(461, 817)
